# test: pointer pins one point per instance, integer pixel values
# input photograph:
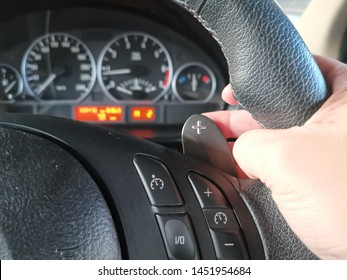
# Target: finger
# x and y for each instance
(228, 95)
(239, 171)
(248, 155)
(260, 152)
(233, 123)
(334, 72)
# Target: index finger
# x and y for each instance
(233, 123)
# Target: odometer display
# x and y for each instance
(135, 67)
(58, 67)
(110, 114)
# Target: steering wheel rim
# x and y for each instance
(272, 72)
(259, 91)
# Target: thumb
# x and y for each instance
(281, 158)
(259, 152)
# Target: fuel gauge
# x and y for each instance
(194, 82)
(11, 84)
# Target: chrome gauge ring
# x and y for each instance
(135, 67)
(11, 84)
(194, 82)
(58, 67)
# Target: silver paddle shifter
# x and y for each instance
(202, 140)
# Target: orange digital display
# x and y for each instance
(99, 113)
(141, 114)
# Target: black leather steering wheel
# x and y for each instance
(72, 190)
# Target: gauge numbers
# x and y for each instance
(135, 67)
(58, 67)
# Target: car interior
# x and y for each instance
(104, 151)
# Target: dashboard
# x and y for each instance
(121, 68)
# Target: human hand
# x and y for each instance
(305, 167)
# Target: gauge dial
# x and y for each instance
(11, 85)
(58, 67)
(135, 66)
(194, 82)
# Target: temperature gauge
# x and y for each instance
(194, 82)
(11, 84)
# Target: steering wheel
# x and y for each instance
(77, 191)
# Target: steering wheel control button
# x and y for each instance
(207, 192)
(229, 246)
(178, 237)
(221, 219)
(160, 187)
(202, 140)
(226, 234)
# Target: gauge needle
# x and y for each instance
(124, 90)
(194, 83)
(117, 72)
(9, 87)
(46, 83)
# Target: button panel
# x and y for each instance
(174, 223)
(156, 178)
(207, 193)
(178, 237)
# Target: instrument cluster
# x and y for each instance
(113, 76)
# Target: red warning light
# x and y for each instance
(206, 79)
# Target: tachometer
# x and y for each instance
(135, 66)
(58, 67)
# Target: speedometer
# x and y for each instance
(135, 66)
(58, 67)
